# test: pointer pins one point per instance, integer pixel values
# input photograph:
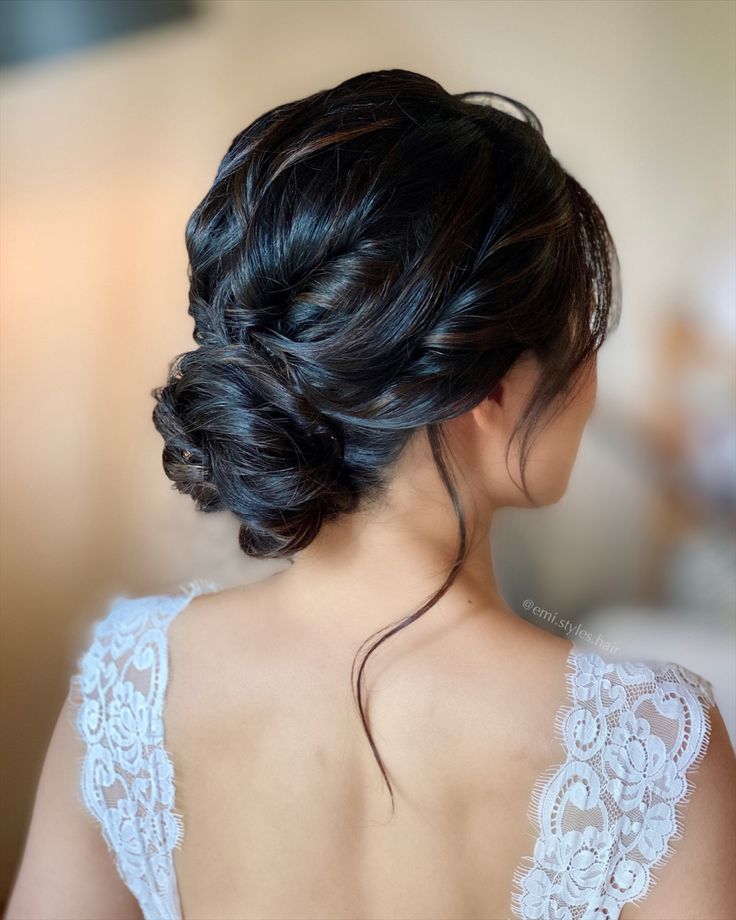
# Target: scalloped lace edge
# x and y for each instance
(706, 699)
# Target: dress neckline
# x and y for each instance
(595, 694)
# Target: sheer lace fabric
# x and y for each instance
(631, 733)
(127, 779)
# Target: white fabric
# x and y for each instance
(127, 780)
(631, 734)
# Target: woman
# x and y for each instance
(398, 298)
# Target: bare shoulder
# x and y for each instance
(218, 628)
(487, 684)
(219, 648)
(697, 879)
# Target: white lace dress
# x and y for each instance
(632, 734)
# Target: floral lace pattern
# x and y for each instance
(631, 731)
(127, 780)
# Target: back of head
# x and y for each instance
(369, 262)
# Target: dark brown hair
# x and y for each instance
(370, 261)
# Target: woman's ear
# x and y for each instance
(486, 412)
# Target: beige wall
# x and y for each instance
(106, 152)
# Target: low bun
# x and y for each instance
(237, 438)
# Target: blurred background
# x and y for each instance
(114, 116)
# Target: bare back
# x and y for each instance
(286, 812)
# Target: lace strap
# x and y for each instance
(116, 702)
(632, 732)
